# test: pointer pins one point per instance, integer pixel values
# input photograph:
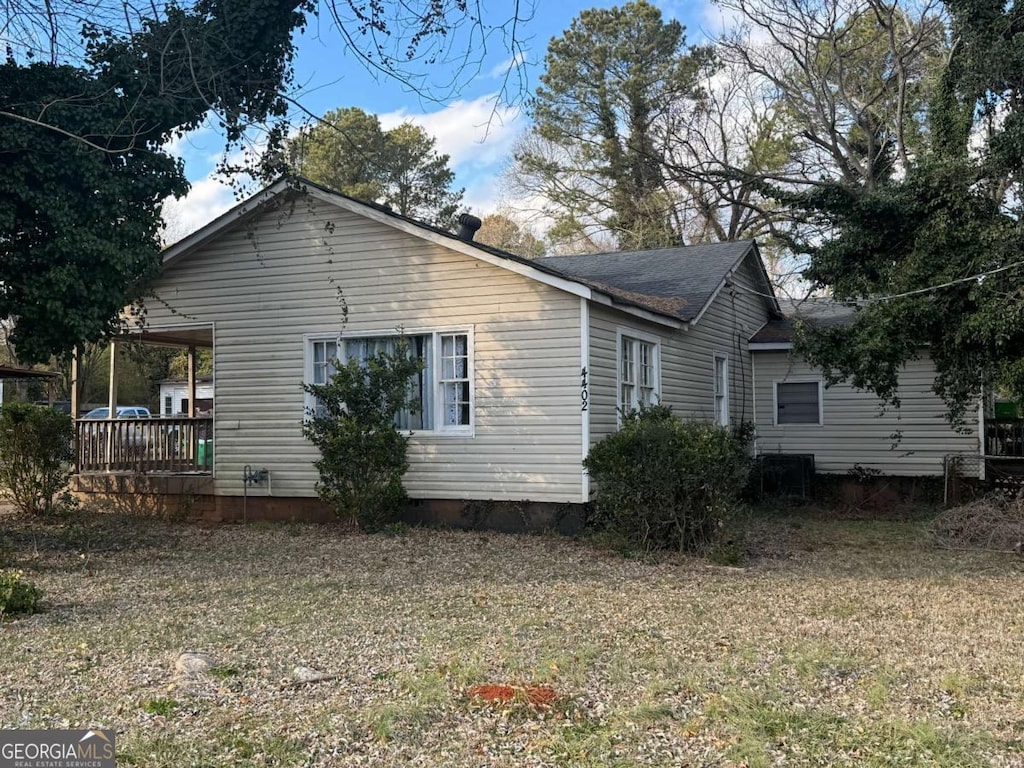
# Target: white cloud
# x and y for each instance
(718, 22)
(207, 200)
(476, 134)
(500, 70)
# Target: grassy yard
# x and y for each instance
(854, 643)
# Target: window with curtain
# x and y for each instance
(441, 394)
(419, 415)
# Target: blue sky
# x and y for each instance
(473, 125)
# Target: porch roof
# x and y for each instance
(12, 372)
(196, 336)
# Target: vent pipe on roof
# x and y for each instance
(468, 225)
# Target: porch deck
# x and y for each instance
(174, 446)
(1004, 438)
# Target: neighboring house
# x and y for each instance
(174, 397)
(528, 363)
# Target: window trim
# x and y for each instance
(715, 357)
(801, 380)
(637, 335)
(461, 430)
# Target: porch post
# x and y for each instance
(74, 383)
(192, 382)
(112, 388)
(112, 404)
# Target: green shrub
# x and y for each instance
(664, 483)
(36, 454)
(17, 594)
(362, 455)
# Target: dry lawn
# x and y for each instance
(855, 644)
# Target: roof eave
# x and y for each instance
(650, 316)
(206, 233)
(769, 346)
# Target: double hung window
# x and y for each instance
(639, 373)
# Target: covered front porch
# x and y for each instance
(118, 440)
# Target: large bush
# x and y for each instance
(36, 454)
(664, 483)
(362, 455)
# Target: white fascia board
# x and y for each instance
(769, 346)
(714, 295)
(251, 205)
(731, 273)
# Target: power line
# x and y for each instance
(945, 285)
(890, 297)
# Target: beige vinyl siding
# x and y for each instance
(855, 430)
(687, 356)
(266, 290)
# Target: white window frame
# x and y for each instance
(722, 414)
(803, 380)
(459, 430)
(635, 337)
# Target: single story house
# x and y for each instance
(528, 362)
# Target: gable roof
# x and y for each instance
(679, 281)
(671, 286)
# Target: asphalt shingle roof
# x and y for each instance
(675, 282)
(671, 281)
(818, 311)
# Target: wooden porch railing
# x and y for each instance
(1004, 437)
(169, 445)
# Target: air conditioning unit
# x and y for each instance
(786, 474)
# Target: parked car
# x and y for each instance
(135, 434)
(123, 412)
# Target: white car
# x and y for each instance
(123, 412)
(135, 434)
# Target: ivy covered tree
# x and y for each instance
(931, 257)
(84, 166)
(92, 92)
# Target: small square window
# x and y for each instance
(798, 402)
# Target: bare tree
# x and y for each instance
(850, 79)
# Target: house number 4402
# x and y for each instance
(584, 389)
